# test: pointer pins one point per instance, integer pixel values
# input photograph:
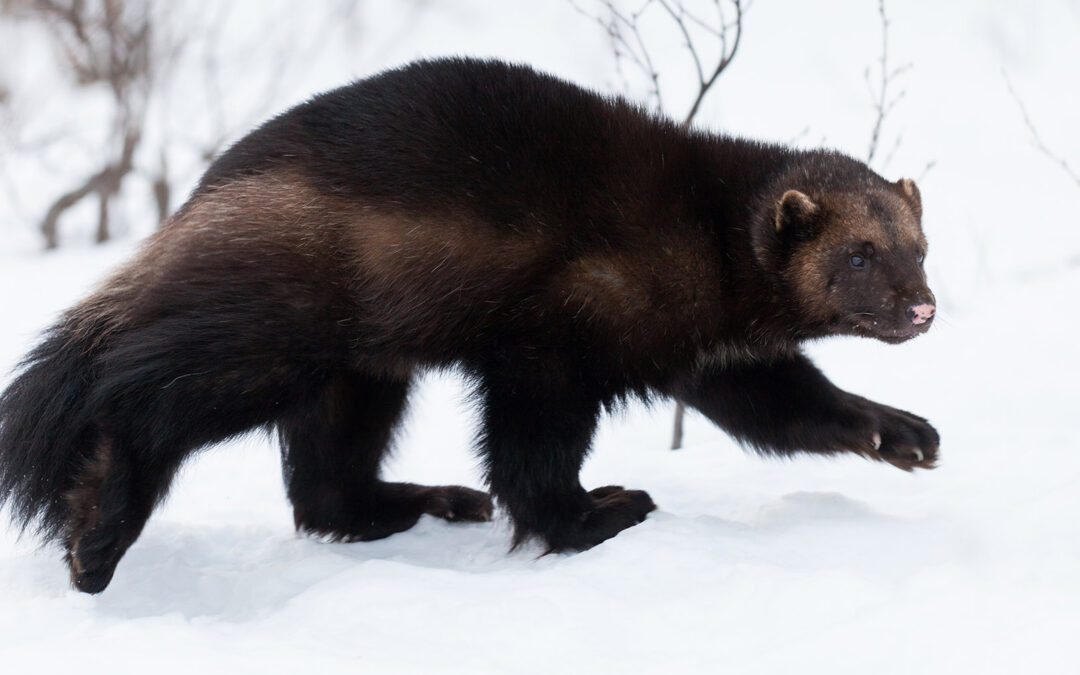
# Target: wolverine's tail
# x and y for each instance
(46, 430)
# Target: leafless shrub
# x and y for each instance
(100, 42)
(721, 31)
(137, 50)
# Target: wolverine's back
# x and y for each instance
(480, 137)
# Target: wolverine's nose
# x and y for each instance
(920, 314)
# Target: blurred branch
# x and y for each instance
(882, 101)
(127, 54)
(721, 32)
(799, 136)
(1035, 136)
(926, 169)
(624, 30)
(160, 187)
(106, 42)
(105, 184)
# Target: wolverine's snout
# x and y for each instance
(921, 314)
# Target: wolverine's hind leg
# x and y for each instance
(110, 501)
(331, 451)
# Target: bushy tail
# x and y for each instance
(46, 431)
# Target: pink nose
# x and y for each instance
(920, 314)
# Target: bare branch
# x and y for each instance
(161, 189)
(628, 44)
(883, 103)
(892, 152)
(677, 430)
(1035, 137)
(722, 63)
(717, 32)
(105, 42)
(616, 25)
(929, 165)
(799, 136)
(105, 183)
(689, 43)
(641, 56)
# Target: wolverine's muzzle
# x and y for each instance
(921, 314)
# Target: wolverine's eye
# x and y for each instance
(857, 261)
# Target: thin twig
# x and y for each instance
(1035, 137)
(799, 136)
(883, 104)
(629, 46)
(722, 64)
(926, 169)
(689, 43)
(616, 25)
(677, 430)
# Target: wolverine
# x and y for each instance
(566, 251)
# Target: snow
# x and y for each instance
(749, 565)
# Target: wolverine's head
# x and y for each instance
(852, 257)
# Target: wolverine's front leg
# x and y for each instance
(537, 427)
(786, 405)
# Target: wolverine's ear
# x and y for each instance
(911, 192)
(794, 208)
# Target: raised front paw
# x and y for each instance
(904, 440)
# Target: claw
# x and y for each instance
(876, 440)
(918, 455)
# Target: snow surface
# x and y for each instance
(749, 566)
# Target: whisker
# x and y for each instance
(939, 316)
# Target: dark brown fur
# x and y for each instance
(564, 250)
(83, 500)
